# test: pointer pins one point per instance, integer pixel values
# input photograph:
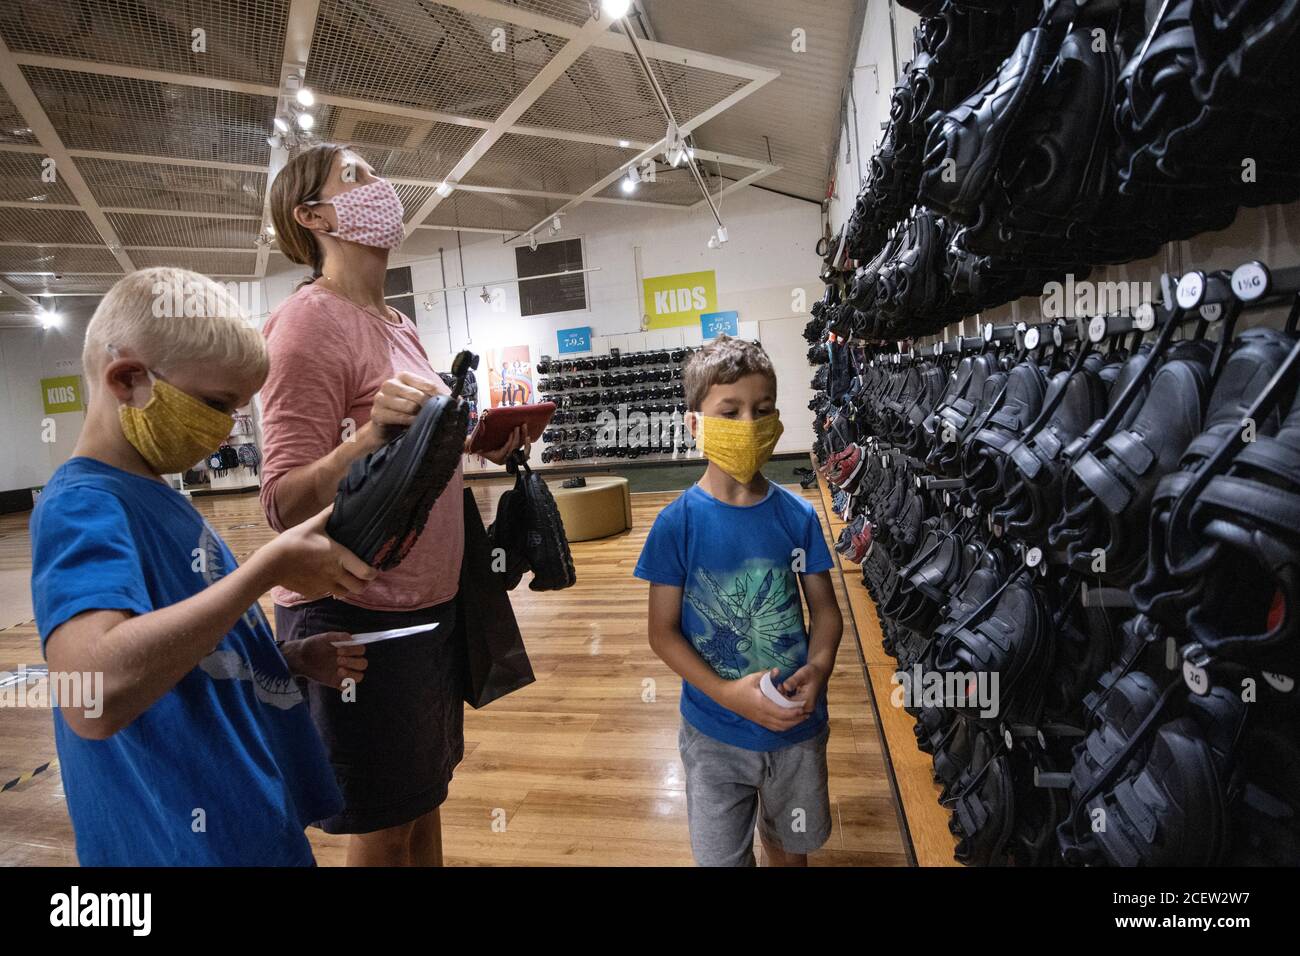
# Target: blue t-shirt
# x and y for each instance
(741, 609)
(226, 769)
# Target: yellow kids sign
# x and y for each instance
(679, 299)
(62, 394)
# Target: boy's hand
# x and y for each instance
(806, 686)
(305, 559)
(316, 658)
(744, 697)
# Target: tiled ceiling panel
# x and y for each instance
(422, 54)
(546, 165)
(492, 211)
(47, 225)
(209, 263)
(604, 91)
(120, 114)
(41, 284)
(56, 259)
(23, 179)
(184, 231)
(230, 39)
(132, 185)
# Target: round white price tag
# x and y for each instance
(1249, 281)
(1031, 339)
(1212, 312)
(1144, 317)
(1191, 289)
(1279, 682)
(1097, 329)
(988, 331)
(1058, 337)
(1034, 557)
(1196, 678)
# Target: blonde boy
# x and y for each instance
(201, 751)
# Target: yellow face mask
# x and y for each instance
(174, 430)
(740, 448)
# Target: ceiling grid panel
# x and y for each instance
(20, 93)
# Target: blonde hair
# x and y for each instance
(721, 362)
(301, 180)
(167, 316)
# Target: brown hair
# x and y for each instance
(721, 362)
(301, 180)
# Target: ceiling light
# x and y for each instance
(630, 181)
(722, 235)
(306, 121)
(713, 242)
(274, 141)
(532, 242)
(625, 143)
(444, 189)
(49, 318)
(484, 295)
(270, 230)
(556, 226)
(281, 125)
(616, 8)
(305, 96)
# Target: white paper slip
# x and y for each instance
(372, 637)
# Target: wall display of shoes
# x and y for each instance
(624, 405)
(235, 466)
(1083, 533)
(1026, 143)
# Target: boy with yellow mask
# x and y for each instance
(198, 748)
(726, 562)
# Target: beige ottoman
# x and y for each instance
(602, 508)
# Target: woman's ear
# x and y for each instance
(307, 217)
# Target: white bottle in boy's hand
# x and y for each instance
(771, 693)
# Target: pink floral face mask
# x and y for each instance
(370, 215)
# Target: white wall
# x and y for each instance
(768, 260)
(27, 459)
(874, 74)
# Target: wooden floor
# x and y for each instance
(581, 768)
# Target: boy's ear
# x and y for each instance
(692, 422)
(122, 377)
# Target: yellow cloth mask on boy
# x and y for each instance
(174, 430)
(740, 448)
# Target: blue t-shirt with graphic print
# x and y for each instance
(226, 769)
(741, 606)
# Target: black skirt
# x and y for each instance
(395, 746)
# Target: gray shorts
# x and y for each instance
(730, 789)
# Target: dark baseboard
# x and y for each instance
(12, 502)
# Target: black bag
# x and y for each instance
(496, 661)
(529, 533)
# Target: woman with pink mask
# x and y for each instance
(348, 373)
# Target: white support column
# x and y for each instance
(299, 27)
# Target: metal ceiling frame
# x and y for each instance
(595, 33)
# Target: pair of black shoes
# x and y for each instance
(384, 501)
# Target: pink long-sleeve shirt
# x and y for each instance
(328, 359)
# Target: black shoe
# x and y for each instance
(384, 500)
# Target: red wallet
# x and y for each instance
(495, 424)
